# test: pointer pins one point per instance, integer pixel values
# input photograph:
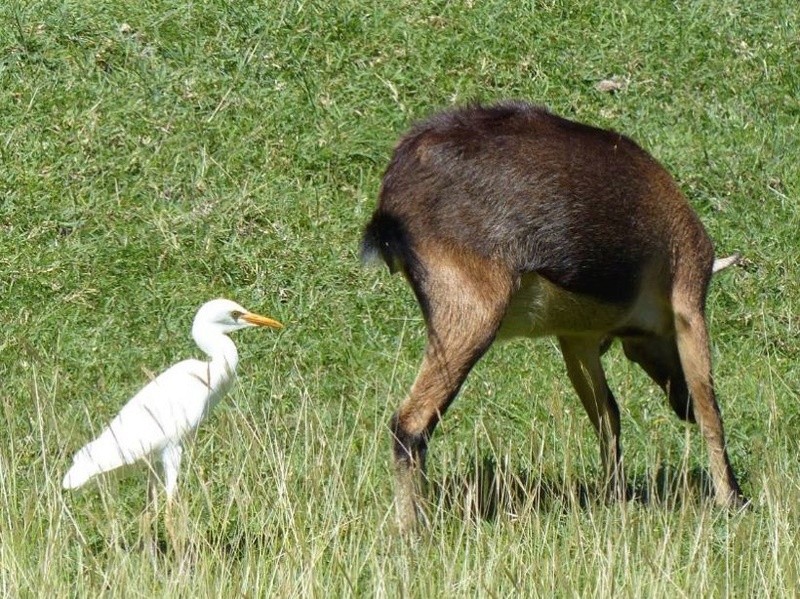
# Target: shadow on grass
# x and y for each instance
(488, 490)
(483, 491)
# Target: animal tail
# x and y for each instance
(385, 239)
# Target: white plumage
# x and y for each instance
(154, 423)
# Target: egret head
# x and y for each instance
(225, 316)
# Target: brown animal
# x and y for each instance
(508, 220)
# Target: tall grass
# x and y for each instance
(154, 155)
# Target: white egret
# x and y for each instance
(153, 424)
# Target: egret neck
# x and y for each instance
(224, 359)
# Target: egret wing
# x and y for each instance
(162, 413)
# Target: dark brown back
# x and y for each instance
(516, 183)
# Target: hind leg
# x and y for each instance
(695, 356)
(444, 368)
(582, 357)
(464, 302)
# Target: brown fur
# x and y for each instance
(508, 220)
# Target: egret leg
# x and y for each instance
(149, 523)
(171, 463)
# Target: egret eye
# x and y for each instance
(236, 314)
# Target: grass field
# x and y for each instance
(157, 154)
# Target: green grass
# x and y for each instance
(157, 154)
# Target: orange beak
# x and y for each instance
(261, 321)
